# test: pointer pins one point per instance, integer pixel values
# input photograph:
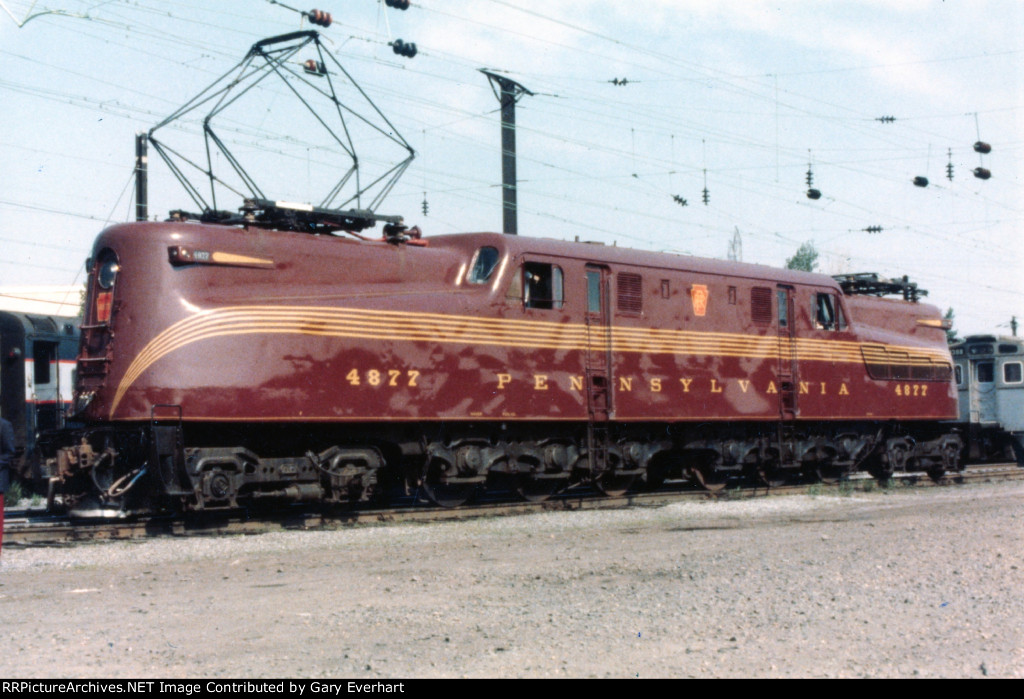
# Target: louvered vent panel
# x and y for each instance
(630, 293)
(761, 304)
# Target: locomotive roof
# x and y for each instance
(517, 245)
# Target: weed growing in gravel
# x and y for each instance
(846, 488)
(814, 490)
(14, 493)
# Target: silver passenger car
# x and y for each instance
(989, 374)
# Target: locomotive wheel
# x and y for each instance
(536, 489)
(829, 475)
(613, 484)
(950, 461)
(710, 479)
(448, 494)
(443, 486)
(772, 476)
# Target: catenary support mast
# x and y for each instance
(508, 93)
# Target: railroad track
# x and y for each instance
(23, 528)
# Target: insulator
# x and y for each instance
(705, 196)
(982, 147)
(949, 171)
(425, 206)
(314, 67)
(873, 229)
(679, 200)
(403, 49)
(810, 177)
(320, 17)
(920, 181)
(813, 194)
(981, 173)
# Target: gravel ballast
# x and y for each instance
(905, 583)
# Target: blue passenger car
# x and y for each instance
(37, 365)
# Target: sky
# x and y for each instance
(742, 98)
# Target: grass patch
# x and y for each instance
(15, 492)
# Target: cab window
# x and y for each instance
(593, 291)
(828, 314)
(783, 297)
(484, 263)
(542, 285)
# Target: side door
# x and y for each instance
(45, 385)
(787, 367)
(599, 344)
(983, 408)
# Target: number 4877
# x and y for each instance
(389, 377)
(911, 389)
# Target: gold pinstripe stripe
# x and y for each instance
(436, 327)
(515, 418)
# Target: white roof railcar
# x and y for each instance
(989, 374)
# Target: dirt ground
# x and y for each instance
(905, 583)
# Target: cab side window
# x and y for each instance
(828, 314)
(483, 265)
(542, 286)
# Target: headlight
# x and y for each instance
(107, 273)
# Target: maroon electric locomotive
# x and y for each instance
(226, 364)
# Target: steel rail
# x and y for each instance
(25, 528)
